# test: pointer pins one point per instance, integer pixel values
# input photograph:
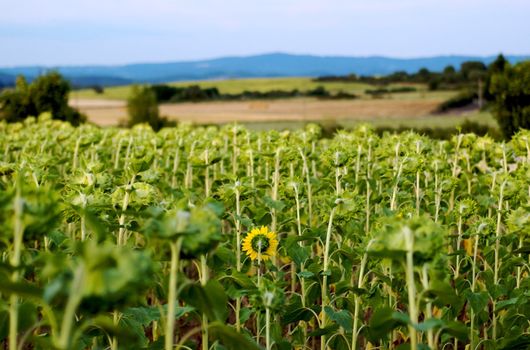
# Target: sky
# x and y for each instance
(81, 32)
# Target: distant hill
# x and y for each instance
(267, 65)
(6, 80)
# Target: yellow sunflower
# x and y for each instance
(259, 241)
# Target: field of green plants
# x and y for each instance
(225, 238)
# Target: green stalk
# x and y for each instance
(299, 228)
(206, 174)
(76, 154)
(83, 219)
(276, 184)
(358, 163)
(308, 185)
(235, 152)
(268, 328)
(519, 267)
(438, 193)
(367, 209)
(497, 263)
(74, 299)
(251, 167)
(458, 242)
(128, 152)
(360, 281)
(238, 251)
(204, 280)
(411, 287)
(172, 294)
(117, 154)
(313, 162)
(454, 172)
(122, 239)
(338, 189)
(393, 200)
(258, 323)
(18, 233)
(473, 286)
(324, 291)
(368, 189)
(417, 189)
(176, 162)
(189, 168)
(428, 307)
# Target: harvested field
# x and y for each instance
(109, 112)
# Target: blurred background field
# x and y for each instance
(412, 109)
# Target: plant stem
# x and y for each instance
(122, 240)
(360, 281)
(71, 306)
(258, 324)
(324, 291)
(308, 185)
(18, 233)
(268, 328)
(411, 287)
(428, 307)
(458, 241)
(497, 264)
(176, 162)
(204, 280)
(172, 294)
(238, 252)
(473, 284)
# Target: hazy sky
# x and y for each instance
(53, 32)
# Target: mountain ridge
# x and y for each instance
(264, 65)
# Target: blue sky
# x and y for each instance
(70, 32)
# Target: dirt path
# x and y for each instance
(109, 112)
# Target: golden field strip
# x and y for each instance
(408, 109)
(110, 112)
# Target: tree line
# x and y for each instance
(195, 93)
(449, 79)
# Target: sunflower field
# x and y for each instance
(226, 238)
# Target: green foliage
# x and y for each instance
(47, 93)
(142, 107)
(131, 239)
(195, 93)
(448, 79)
(511, 91)
(390, 241)
(463, 99)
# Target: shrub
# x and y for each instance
(511, 92)
(47, 93)
(142, 107)
(463, 99)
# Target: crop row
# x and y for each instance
(226, 238)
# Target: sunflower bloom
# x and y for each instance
(260, 242)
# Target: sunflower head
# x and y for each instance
(260, 242)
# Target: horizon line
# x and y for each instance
(258, 55)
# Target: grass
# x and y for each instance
(445, 121)
(233, 86)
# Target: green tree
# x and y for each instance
(47, 93)
(142, 107)
(497, 66)
(469, 68)
(511, 92)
